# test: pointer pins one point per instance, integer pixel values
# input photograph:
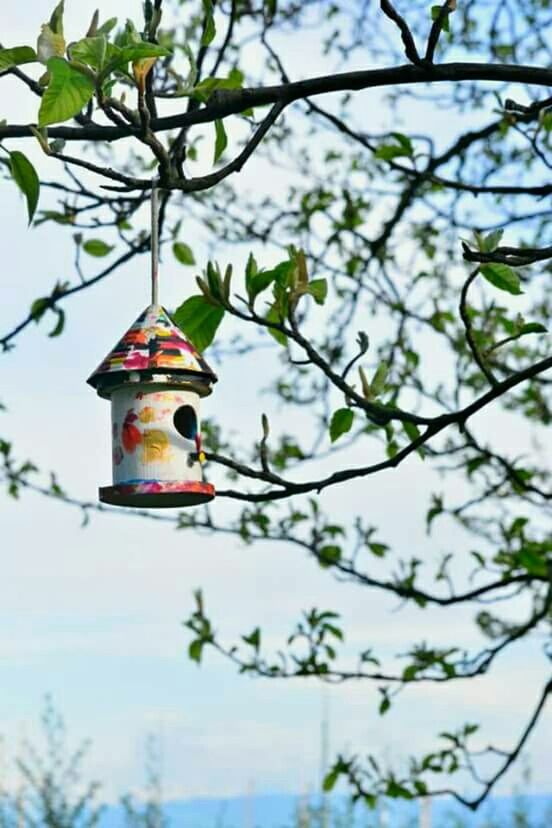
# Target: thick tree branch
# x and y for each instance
(233, 102)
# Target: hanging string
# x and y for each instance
(154, 243)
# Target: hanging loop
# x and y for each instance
(155, 242)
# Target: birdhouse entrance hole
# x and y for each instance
(185, 422)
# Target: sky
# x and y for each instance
(93, 615)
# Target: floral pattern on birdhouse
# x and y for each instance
(152, 343)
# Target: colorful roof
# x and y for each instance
(153, 344)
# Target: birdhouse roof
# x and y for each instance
(152, 345)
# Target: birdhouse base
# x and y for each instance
(158, 494)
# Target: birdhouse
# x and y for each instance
(155, 379)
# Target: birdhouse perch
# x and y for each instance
(155, 379)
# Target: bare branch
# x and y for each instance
(513, 256)
(437, 27)
(464, 313)
(64, 294)
(410, 49)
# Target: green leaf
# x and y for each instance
(195, 650)
(330, 780)
(199, 320)
(235, 78)
(24, 175)
(387, 152)
(56, 20)
(333, 630)
(329, 555)
(366, 387)
(90, 50)
(502, 277)
(534, 563)
(489, 243)
(404, 142)
(283, 273)
(378, 549)
(253, 639)
(207, 86)
(221, 139)
(274, 315)
(97, 247)
(410, 672)
(413, 432)
(378, 383)
(17, 56)
(60, 324)
(258, 280)
(341, 423)
(436, 509)
(58, 218)
(395, 790)
(39, 307)
(214, 282)
(251, 270)
(546, 121)
(107, 27)
(385, 704)
(120, 57)
(67, 93)
(474, 464)
(402, 149)
(209, 28)
(183, 253)
(420, 786)
(435, 12)
(533, 328)
(318, 289)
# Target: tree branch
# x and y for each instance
(511, 757)
(232, 102)
(464, 313)
(55, 299)
(513, 256)
(437, 27)
(437, 426)
(410, 49)
(205, 182)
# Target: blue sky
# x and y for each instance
(93, 615)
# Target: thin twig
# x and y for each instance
(407, 37)
(464, 313)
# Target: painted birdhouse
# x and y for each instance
(154, 379)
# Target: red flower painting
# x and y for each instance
(131, 436)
